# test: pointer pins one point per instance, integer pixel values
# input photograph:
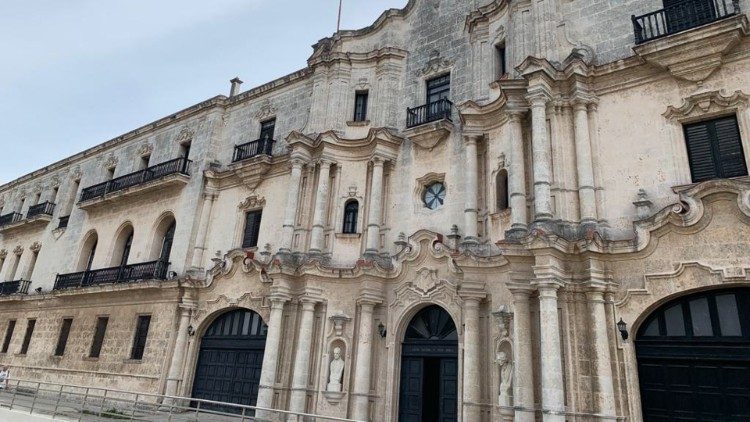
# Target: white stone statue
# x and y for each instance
(506, 378)
(336, 372)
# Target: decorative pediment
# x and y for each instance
(436, 64)
(252, 202)
(251, 300)
(266, 110)
(694, 55)
(185, 135)
(707, 103)
(145, 149)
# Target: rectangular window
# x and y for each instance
(8, 335)
(101, 330)
(501, 63)
(145, 159)
(715, 149)
(32, 264)
(252, 229)
(438, 88)
(141, 334)
(14, 267)
(27, 337)
(53, 197)
(267, 129)
(360, 106)
(110, 173)
(62, 340)
(185, 150)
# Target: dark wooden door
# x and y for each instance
(448, 389)
(231, 359)
(412, 374)
(694, 358)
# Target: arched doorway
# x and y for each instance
(694, 358)
(231, 358)
(429, 368)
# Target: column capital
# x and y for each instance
(473, 138)
(278, 300)
(538, 98)
(547, 286)
(370, 298)
(377, 160)
(297, 162)
(308, 303)
(325, 162)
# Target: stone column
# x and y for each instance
(271, 354)
(541, 151)
(586, 192)
(470, 186)
(523, 380)
(317, 240)
(553, 394)
(517, 176)
(374, 215)
(472, 373)
(290, 213)
(174, 376)
(604, 395)
(205, 220)
(301, 374)
(361, 391)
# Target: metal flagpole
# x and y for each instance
(338, 24)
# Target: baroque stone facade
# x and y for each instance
(561, 201)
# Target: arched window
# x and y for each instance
(501, 190)
(351, 211)
(166, 244)
(86, 259)
(123, 243)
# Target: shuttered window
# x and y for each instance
(715, 149)
(351, 211)
(27, 337)
(101, 329)
(141, 334)
(8, 335)
(62, 341)
(252, 229)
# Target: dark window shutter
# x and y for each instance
(141, 335)
(8, 335)
(101, 329)
(715, 149)
(62, 341)
(252, 229)
(27, 337)
(731, 156)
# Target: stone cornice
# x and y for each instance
(485, 13)
(382, 142)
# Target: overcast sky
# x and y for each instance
(75, 73)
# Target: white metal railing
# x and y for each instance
(81, 403)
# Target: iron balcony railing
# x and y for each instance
(438, 110)
(63, 222)
(45, 208)
(155, 270)
(176, 166)
(10, 218)
(681, 16)
(253, 149)
(12, 287)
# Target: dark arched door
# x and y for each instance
(429, 368)
(231, 358)
(694, 358)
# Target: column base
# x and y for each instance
(516, 233)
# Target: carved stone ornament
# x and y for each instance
(363, 84)
(55, 182)
(76, 173)
(705, 103)
(35, 247)
(3, 254)
(435, 64)
(18, 250)
(110, 162)
(426, 280)
(38, 188)
(252, 202)
(339, 322)
(145, 149)
(266, 110)
(185, 135)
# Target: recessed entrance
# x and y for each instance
(429, 368)
(231, 358)
(694, 358)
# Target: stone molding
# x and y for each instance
(266, 110)
(144, 149)
(706, 103)
(252, 202)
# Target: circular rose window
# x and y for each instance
(434, 195)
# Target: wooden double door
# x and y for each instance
(429, 369)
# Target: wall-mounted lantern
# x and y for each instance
(381, 330)
(191, 330)
(622, 327)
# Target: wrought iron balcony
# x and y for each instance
(45, 208)
(252, 149)
(13, 287)
(176, 166)
(155, 270)
(10, 218)
(687, 14)
(439, 110)
(63, 222)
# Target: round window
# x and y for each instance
(434, 195)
